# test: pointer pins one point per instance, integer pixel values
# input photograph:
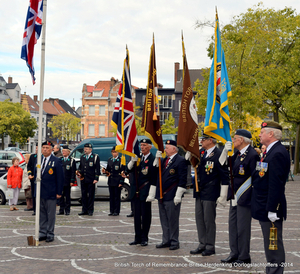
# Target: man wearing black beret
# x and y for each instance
(268, 203)
(89, 171)
(174, 179)
(239, 223)
(143, 180)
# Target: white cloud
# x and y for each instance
(86, 40)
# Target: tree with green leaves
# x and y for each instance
(15, 122)
(262, 50)
(169, 126)
(65, 126)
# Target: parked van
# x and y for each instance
(103, 146)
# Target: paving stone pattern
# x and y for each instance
(99, 243)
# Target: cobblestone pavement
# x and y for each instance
(99, 244)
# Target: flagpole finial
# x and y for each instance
(216, 12)
(153, 37)
(182, 35)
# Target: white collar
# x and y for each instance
(209, 151)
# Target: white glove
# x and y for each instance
(188, 156)
(234, 201)
(158, 155)
(272, 216)
(223, 196)
(132, 162)
(178, 195)
(223, 156)
(151, 195)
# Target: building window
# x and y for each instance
(91, 130)
(102, 110)
(17, 94)
(166, 101)
(97, 93)
(164, 116)
(101, 130)
(91, 110)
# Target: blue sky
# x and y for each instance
(86, 40)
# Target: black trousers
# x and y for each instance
(114, 199)
(87, 197)
(142, 219)
(65, 200)
(32, 185)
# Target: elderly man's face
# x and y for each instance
(46, 150)
(237, 141)
(145, 148)
(170, 150)
(65, 152)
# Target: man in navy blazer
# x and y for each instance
(52, 182)
(239, 221)
(174, 179)
(213, 180)
(268, 203)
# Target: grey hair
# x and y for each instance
(213, 140)
(246, 140)
(277, 132)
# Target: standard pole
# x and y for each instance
(39, 155)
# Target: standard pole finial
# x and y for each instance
(153, 37)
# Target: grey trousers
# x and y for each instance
(47, 218)
(273, 256)
(169, 220)
(239, 225)
(205, 213)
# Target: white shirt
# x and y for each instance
(242, 151)
(209, 151)
(270, 145)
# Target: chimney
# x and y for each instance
(10, 79)
(176, 68)
(35, 98)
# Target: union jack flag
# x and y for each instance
(123, 116)
(33, 28)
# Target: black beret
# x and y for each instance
(244, 133)
(88, 145)
(147, 141)
(271, 124)
(113, 148)
(171, 142)
(47, 143)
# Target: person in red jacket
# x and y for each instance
(14, 181)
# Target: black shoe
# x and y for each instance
(26, 209)
(144, 243)
(130, 215)
(43, 238)
(134, 242)
(229, 259)
(246, 261)
(163, 245)
(49, 240)
(198, 250)
(207, 252)
(83, 213)
(174, 247)
(90, 214)
(33, 214)
(60, 213)
(110, 214)
(67, 213)
(115, 214)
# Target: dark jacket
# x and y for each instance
(146, 175)
(115, 168)
(69, 167)
(52, 179)
(242, 168)
(269, 186)
(31, 164)
(173, 176)
(210, 177)
(89, 168)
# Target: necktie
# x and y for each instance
(167, 161)
(264, 156)
(143, 158)
(43, 165)
(204, 155)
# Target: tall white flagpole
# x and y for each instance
(39, 155)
